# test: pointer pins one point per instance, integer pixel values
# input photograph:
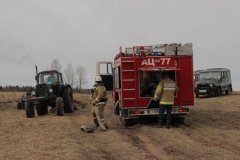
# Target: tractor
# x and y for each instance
(50, 91)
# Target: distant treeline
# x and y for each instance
(17, 89)
(31, 88)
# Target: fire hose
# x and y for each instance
(89, 129)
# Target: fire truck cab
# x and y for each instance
(134, 75)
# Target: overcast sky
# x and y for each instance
(82, 32)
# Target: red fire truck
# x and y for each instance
(135, 74)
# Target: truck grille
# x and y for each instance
(203, 85)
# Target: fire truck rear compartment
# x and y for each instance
(149, 81)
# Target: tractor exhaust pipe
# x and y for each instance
(36, 69)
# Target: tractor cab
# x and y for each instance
(49, 77)
(49, 83)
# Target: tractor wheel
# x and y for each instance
(68, 100)
(42, 109)
(20, 105)
(29, 109)
(60, 106)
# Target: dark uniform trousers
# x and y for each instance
(162, 109)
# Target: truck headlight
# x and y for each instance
(211, 85)
(50, 90)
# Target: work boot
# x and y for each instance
(159, 124)
(168, 126)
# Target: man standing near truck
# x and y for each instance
(165, 92)
(99, 102)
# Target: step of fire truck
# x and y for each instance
(128, 81)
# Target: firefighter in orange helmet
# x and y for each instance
(165, 92)
(99, 101)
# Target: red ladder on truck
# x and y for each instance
(129, 74)
(128, 80)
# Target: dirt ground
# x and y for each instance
(211, 131)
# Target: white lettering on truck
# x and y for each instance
(151, 62)
(148, 62)
(165, 60)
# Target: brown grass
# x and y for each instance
(211, 131)
(10, 96)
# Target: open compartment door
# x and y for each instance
(150, 77)
(105, 70)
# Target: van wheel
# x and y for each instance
(218, 92)
(228, 91)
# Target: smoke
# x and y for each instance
(26, 58)
(17, 55)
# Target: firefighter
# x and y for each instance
(165, 92)
(52, 79)
(99, 101)
(33, 95)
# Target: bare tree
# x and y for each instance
(81, 77)
(55, 65)
(69, 75)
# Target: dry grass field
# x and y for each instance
(211, 131)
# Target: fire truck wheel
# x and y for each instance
(116, 108)
(29, 109)
(68, 100)
(126, 122)
(197, 95)
(116, 111)
(60, 106)
(179, 120)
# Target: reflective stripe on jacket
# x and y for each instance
(165, 91)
